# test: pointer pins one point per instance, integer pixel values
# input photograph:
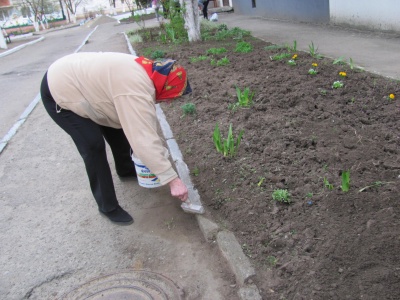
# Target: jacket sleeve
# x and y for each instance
(138, 118)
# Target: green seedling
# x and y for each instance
(157, 54)
(280, 56)
(375, 184)
(271, 261)
(198, 58)
(245, 97)
(196, 171)
(309, 195)
(228, 147)
(337, 85)
(243, 47)
(323, 92)
(345, 181)
(327, 184)
(351, 63)
(188, 109)
(281, 196)
(291, 62)
(339, 61)
(312, 71)
(260, 182)
(313, 51)
(135, 38)
(275, 47)
(293, 48)
(221, 62)
(215, 51)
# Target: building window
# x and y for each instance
(253, 3)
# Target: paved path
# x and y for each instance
(375, 51)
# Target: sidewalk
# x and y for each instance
(376, 52)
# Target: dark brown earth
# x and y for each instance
(325, 244)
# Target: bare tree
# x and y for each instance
(192, 20)
(38, 9)
(72, 5)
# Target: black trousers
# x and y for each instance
(89, 139)
(205, 9)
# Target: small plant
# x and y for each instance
(309, 195)
(339, 61)
(215, 51)
(228, 147)
(294, 57)
(345, 181)
(323, 92)
(198, 58)
(375, 184)
(337, 85)
(281, 196)
(342, 74)
(196, 171)
(312, 71)
(157, 54)
(245, 97)
(293, 48)
(280, 56)
(243, 47)
(271, 261)
(327, 184)
(275, 47)
(391, 97)
(221, 62)
(260, 182)
(188, 109)
(135, 38)
(313, 51)
(170, 224)
(291, 62)
(351, 63)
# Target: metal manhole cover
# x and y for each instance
(139, 285)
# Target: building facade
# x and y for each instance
(377, 15)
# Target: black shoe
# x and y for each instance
(118, 216)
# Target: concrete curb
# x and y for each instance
(21, 46)
(226, 241)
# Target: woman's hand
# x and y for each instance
(178, 189)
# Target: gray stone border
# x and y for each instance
(226, 240)
(21, 46)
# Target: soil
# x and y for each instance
(299, 135)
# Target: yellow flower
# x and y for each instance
(294, 56)
(392, 96)
(343, 74)
(314, 65)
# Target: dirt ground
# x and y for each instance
(300, 134)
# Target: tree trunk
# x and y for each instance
(3, 43)
(192, 20)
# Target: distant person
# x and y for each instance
(112, 96)
(200, 4)
(205, 9)
(155, 4)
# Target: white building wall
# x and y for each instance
(372, 14)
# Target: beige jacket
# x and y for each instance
(113, 90)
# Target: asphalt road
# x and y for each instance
(21, 72)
